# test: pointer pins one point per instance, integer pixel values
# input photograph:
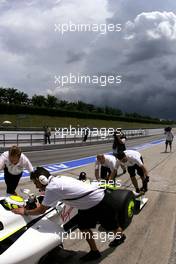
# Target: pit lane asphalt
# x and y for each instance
(65, 154)
(51, 156)
(151, 235)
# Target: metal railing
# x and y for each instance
(33, 139)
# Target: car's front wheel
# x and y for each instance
(124, 203)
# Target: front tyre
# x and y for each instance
(124, 203)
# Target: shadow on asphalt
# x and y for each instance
(62, 256)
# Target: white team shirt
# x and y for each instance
(23, 163)
(169, 136)
(110, 162)
(64, 187)
(134, 157)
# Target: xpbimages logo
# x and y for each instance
(80, 132)
(82, 27)
(102, 236)
(104, 184)
(102, 79)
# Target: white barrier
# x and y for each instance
(26, 138)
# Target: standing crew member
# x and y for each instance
(13, 162)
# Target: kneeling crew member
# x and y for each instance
(104, 166)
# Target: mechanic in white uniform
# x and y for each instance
(104, 166)
(134, 162)
(13, 162)
(93, 205)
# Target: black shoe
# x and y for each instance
(92, 255)
(116, 242)
(137, 190)
(145, 184)
(143, 189)
(147, 178)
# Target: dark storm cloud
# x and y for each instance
(168, 69)
(135, 78)
(148, 44)
(74, 57)
(144, 53)
(29, 46)
(147, 50)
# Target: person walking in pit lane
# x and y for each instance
(119, 142)
(119, 145)
(13, 162)
(134, 162)
(104, 166)
(47, 135)
(93, 204)
(169, 138)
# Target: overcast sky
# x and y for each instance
(33, 52)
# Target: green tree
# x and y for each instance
(22, 98)
(81, 106)
(91, 108)
(3, 95)
(112, 111)
(13, 96)
(51, 101)
(62, 104)
(39, 100)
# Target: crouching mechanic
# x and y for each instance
(104, 166)
(92, 203)
(134, 162)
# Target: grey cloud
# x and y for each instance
(32, 53)
(135, 78)
(74, 56)
(146, 50)
(168, 69)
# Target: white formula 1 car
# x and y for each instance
(28, 239)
